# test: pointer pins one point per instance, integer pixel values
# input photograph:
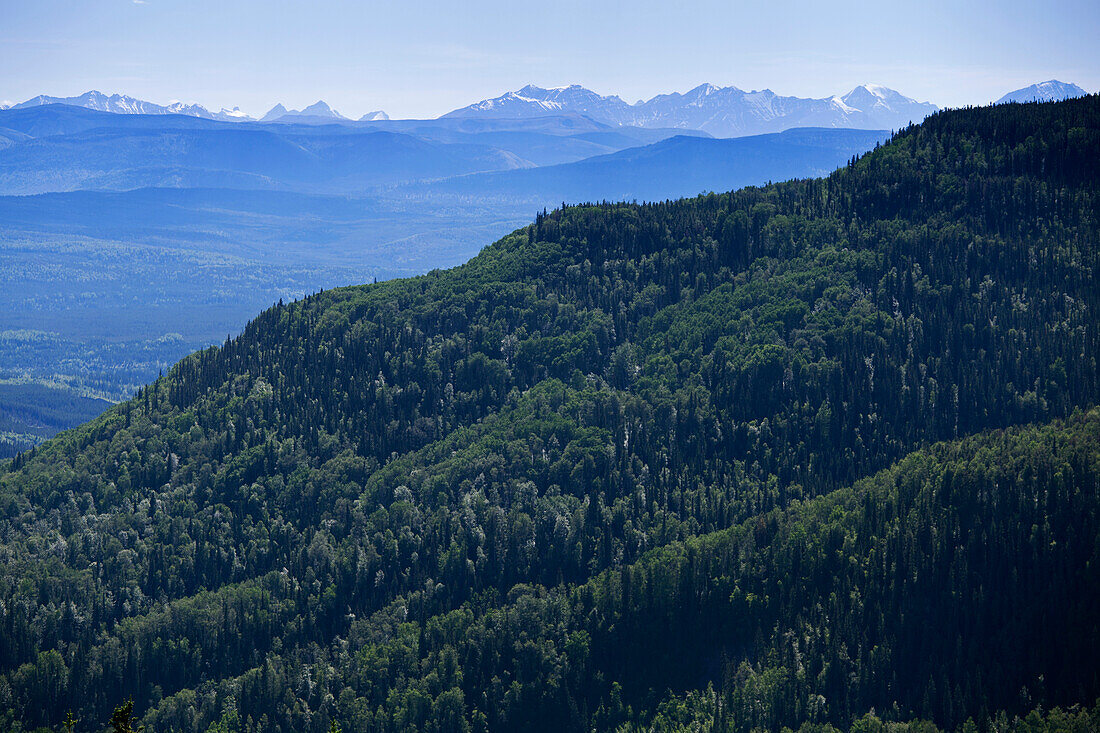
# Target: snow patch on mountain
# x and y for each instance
(231, 114)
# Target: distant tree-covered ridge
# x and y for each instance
(633, 465)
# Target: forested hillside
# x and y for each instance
(633, 464)
(150, 237)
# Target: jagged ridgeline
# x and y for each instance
(631, 465)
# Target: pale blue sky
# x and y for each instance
(419, 58)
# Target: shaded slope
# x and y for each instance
(971, 560)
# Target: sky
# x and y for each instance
(420, 59)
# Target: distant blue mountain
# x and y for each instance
(1045, 91)
(62, 148)
(64, 119)
(672, 168)
(317, 112)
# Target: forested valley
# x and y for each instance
(822, 454)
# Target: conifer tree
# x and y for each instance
(123, 720)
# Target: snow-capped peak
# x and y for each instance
(535, 101)
(1045, 91)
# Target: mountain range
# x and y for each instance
(299, 157)
(718, 111)
(123, 104)
(60, 148)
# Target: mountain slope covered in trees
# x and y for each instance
(614, 470)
